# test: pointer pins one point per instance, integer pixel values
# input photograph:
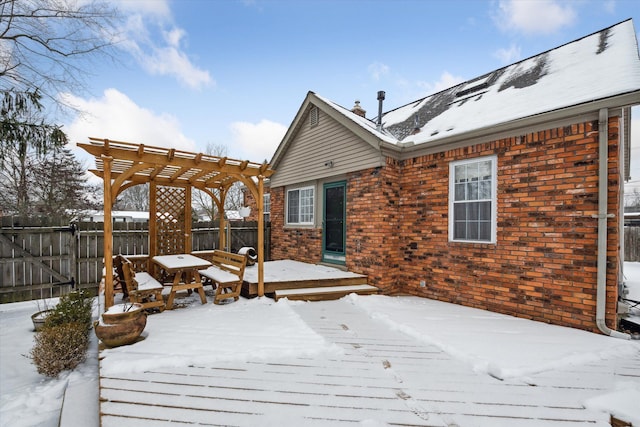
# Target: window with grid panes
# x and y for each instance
(472, 196)
(300, 206)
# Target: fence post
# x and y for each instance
(73, 249)
(632, 243)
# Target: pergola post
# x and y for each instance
(108, 233)
(222, 237)
(152, 225)
(260, 204)
(188, 243)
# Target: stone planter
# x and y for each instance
(122, 324)
(39, 318)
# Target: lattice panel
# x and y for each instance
(170, 220)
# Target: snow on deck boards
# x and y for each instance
(380, 374)
(323, 293)
(353, 288)
(288, 274)
(292, 271)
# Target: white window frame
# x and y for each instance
(493, 199)
(304, 217)
(266, 205)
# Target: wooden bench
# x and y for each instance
(140, 287)
(226, 274)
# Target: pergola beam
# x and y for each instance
(162, 156)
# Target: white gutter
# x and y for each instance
(603, 185)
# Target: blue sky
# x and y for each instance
(234, 73)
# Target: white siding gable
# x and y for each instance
(321, 150)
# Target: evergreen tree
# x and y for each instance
(25, 138)
(60, 189)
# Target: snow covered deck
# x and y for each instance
(365, 360)
(289, 274)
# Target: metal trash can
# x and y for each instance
(250, 253)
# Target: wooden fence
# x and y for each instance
(42, 262)
(632, 243)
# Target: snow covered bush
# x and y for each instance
(63, 341)
(73, 307)
(60, 347)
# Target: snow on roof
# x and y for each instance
(362, 121)
(601, 65)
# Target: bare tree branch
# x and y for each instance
(46, 45)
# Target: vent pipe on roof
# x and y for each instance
(380, 99)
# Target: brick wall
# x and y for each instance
(543, 265)
(373, 225)
(250, 201)
(301, 244)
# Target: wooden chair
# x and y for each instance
(226, 274)
(119, 285)
(141, 286)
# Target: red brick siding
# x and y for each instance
(543, 265)
(373, 227)
(250, 202)
(301, 244)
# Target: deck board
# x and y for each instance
(288, 274)
(380, 375)
(324, 293)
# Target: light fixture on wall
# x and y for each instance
(329, 164)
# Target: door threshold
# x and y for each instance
(338, 266)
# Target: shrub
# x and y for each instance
(60, 347)
(63, 341)
(73, 307)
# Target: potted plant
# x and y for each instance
(40, 316)
(121, 324)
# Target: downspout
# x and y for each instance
(603, 185)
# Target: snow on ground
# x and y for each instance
(632, 280)
(498, 345)
(26, 397)
(204, 334)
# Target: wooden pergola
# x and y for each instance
(171, 175)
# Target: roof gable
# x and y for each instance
(323, 143)
(360, 126)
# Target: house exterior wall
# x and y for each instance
(249, 201)
(301, 244)
(543, 264)
(373, 225)
(314, 146)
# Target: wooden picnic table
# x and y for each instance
(185, 267)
